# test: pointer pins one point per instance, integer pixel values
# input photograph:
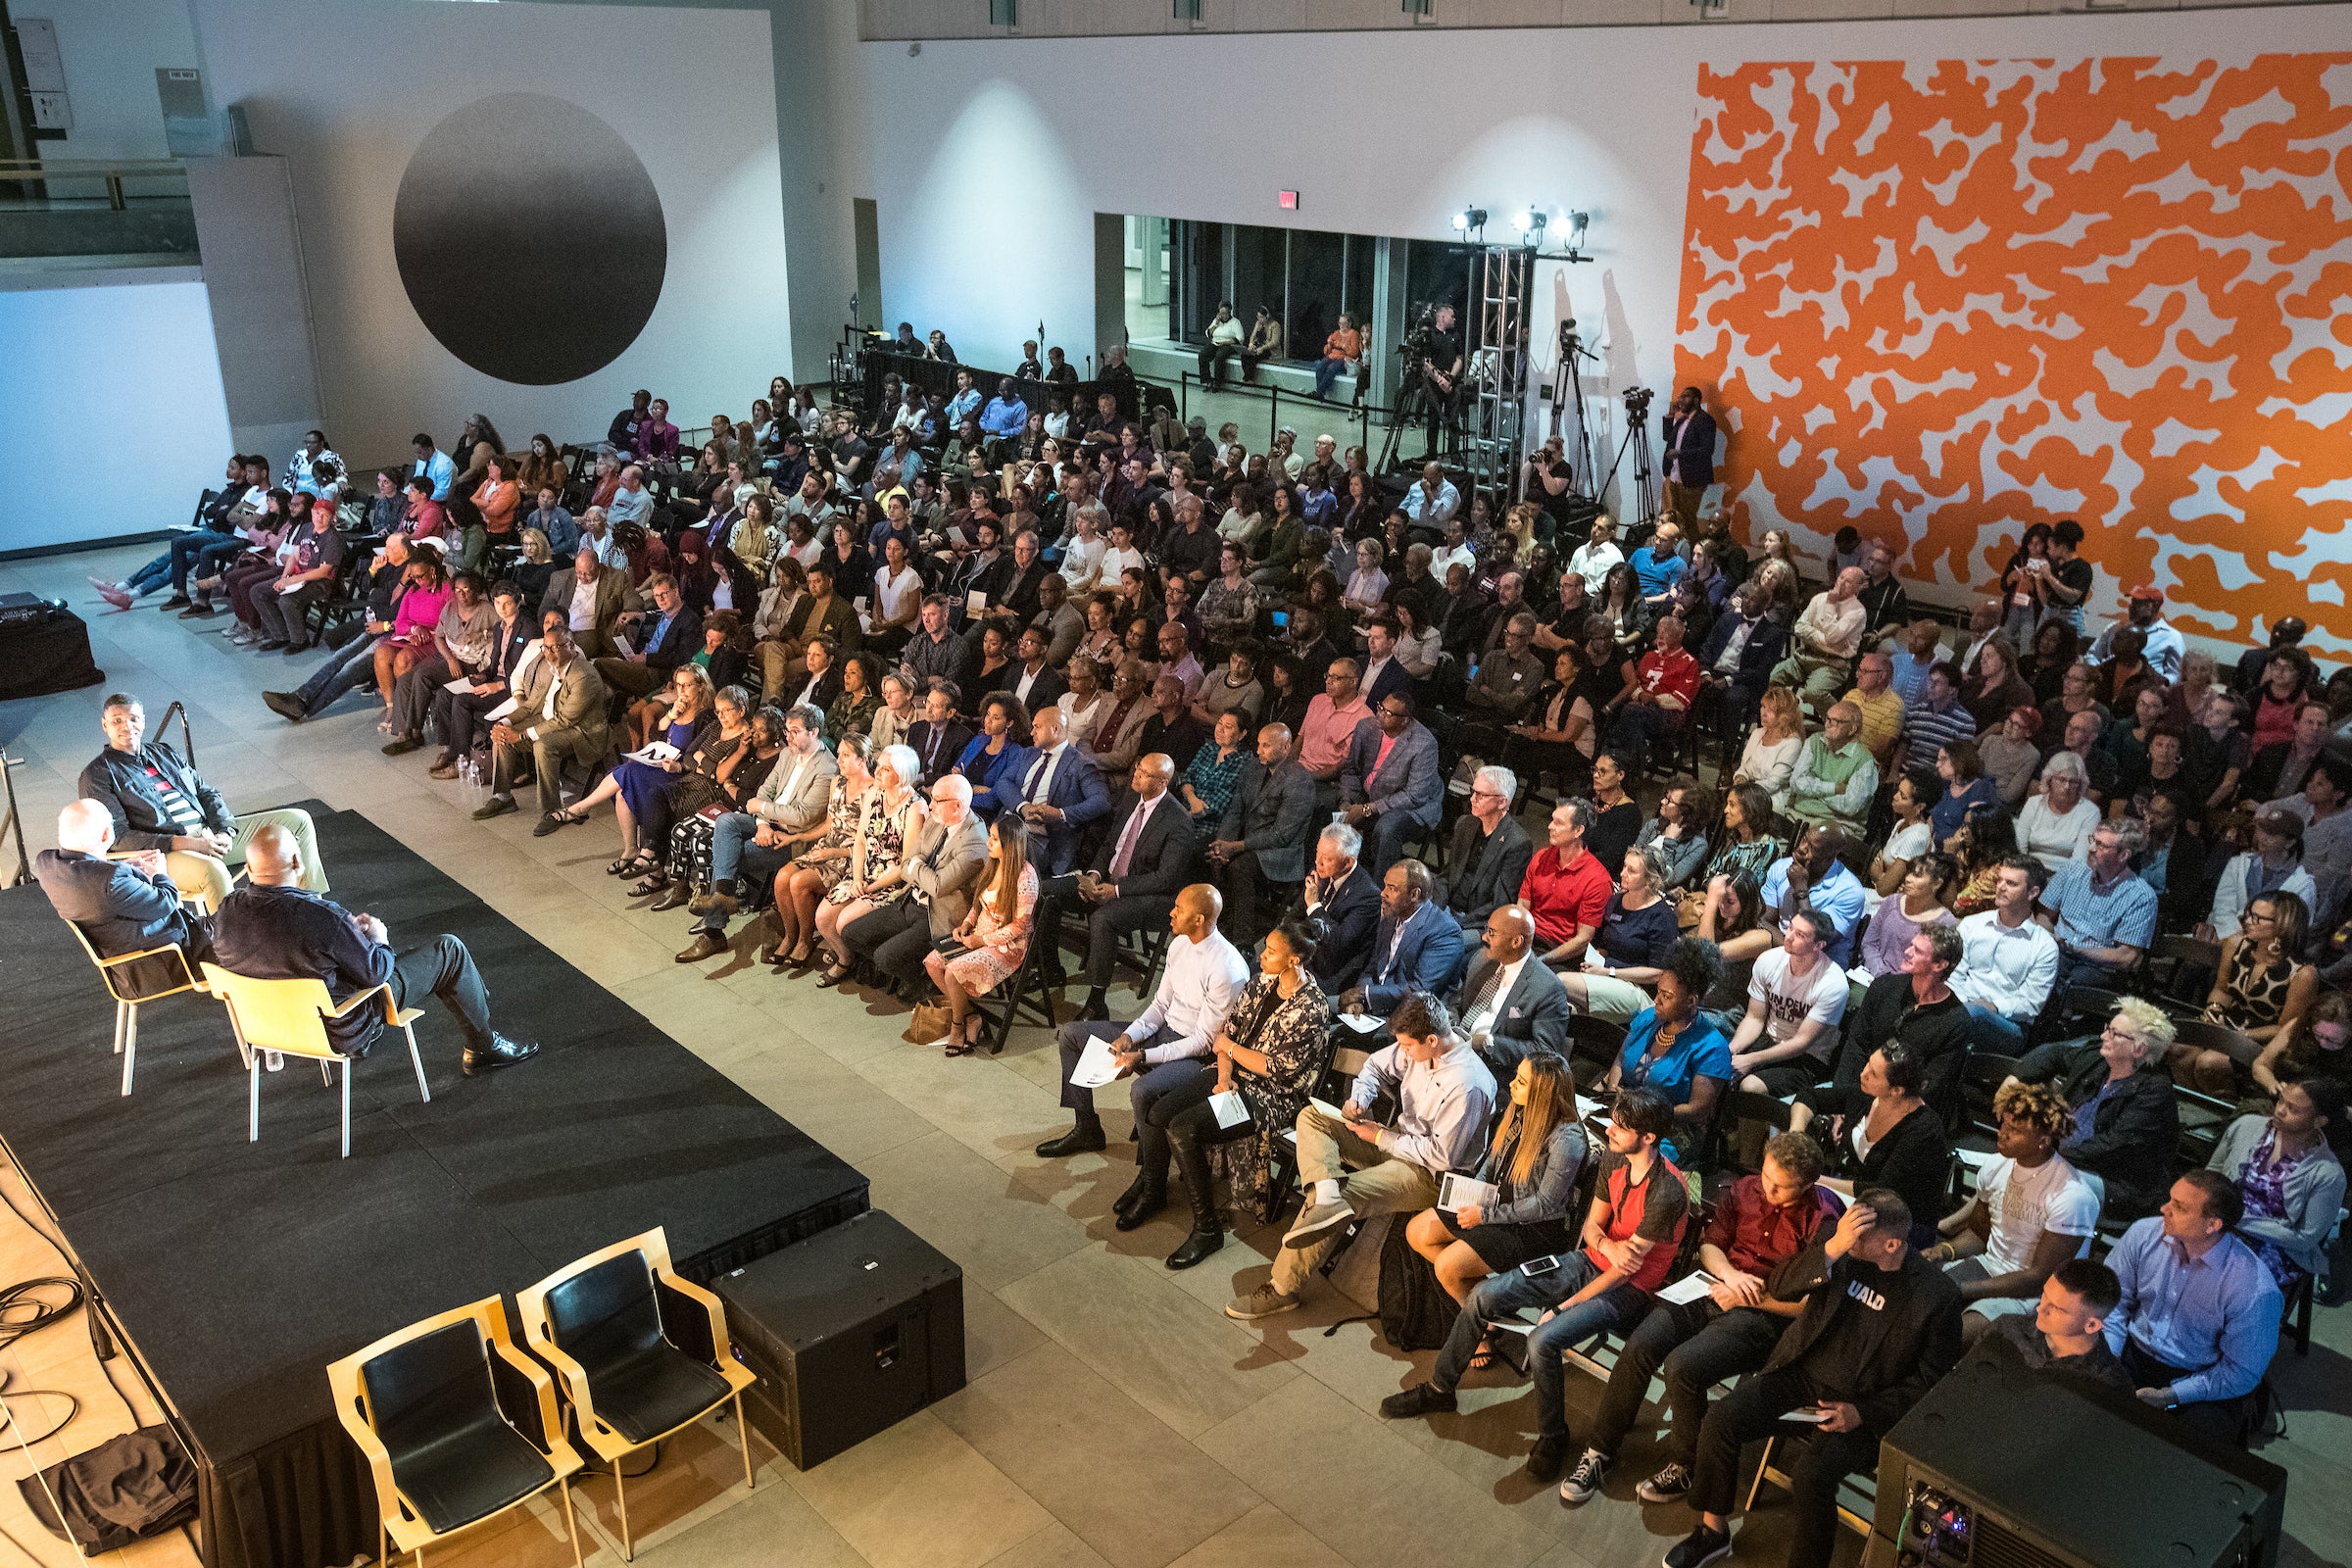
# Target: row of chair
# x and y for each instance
(458, 1426)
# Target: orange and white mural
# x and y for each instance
(1942, 299)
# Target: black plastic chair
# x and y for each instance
(611, 1326)
(427, 1408)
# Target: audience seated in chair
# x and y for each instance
(2032, 1210)
(2198, 1321)
(1533, 1162)
(2125, 1123)
(1510, 1003)
(1340, 893)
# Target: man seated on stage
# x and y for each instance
(1199, 981)
(157, 802)
(1880, 1326)
(2198, 1320)
(271, 929)
(125, 906)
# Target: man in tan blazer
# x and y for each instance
(747, 848)
(942, 865)
(559, 717)
(591, 597)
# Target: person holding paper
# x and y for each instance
(1415, 947)
(1723, 1329)
(1880, 1327)
(1233, 1106)
(1198, 982)
(459, 705)
(1522, 1192)
(559, 717)
(1442, 1095)
(1640, 1205)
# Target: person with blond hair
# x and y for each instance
(2031, 1212)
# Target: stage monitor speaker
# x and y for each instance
(851, 1331)
(1999, 1467)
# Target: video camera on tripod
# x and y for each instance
(1637, 403)
(1418, 341)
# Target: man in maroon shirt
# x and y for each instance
(1760, 1223)
(1565, 889)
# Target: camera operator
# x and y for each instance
(1690, 467)
(1441, 373)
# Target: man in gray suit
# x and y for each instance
(1510, 1003)
(747, 848)
(1259, 854)
(942, 863)
(559, 717)
(1390, 785)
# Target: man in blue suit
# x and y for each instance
(1060, 794)
(1690, 455)
(125, 905)
(1416, 947)
(1390, 785)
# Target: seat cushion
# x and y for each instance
(454, 1457)
(470, 1474)
(658, 1389)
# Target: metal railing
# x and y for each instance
(1360, 415)
(109, 173)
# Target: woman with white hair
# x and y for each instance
(877, 877)
(2127, 1125)
(2055, 826)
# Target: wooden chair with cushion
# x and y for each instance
(428, 1408)
(130, 988)
(642, 1352)
(289, 1017)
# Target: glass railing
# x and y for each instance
(83, 207)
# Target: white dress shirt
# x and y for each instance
(1197, 987)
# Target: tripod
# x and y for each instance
(1568, 387)
(1644, 509)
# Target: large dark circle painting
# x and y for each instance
(530, 239)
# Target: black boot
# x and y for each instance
(1146, 1196)
(1208, 1234)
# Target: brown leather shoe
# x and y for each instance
(444, 770)
(672, 896)
(704, 946)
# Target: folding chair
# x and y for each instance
(127, 993)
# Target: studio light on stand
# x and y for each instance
(1528, 223)
(1471, 221)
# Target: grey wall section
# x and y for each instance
(252, 249)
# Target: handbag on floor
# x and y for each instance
(929, 1024)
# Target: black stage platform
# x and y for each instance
(237, 1271)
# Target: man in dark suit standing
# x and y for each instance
(1415, 947)
(1061, 795)
(1260, 854)
(1510, 1005)
(1343, 893)
(125, 906)
(1689, 464)
(1137, 873)
(1491, 849)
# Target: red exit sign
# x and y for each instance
(1286, 200)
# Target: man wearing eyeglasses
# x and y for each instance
(1390, 783)
(1491, 849)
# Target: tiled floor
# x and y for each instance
(1114, 1415)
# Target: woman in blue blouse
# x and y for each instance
(1209, 783)
(1629, 951)
(1965, 786)
(999, 755)
(1671, 1047)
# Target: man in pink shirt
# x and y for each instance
(1330, 724)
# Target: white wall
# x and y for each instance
(693, 93)
(111, 50)
(121, 353)
(992, 156)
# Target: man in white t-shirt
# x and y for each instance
(1796, 996)
(2032, 1212)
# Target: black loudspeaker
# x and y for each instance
(851, 1331)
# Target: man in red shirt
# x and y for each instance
(1659, 696)
(1762, 1222)
(1330, 724)
(1565, 889)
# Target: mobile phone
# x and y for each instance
(1541, 1265)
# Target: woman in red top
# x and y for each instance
(495, 499)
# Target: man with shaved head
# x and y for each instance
(1144, 859)
(125, 906)
(1197, 983)
(1260, 852)
(273, 929)
(1508, 1006)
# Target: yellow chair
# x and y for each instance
(610, 1325)
(289, 1017)
(424, 1406)
(126, 1004)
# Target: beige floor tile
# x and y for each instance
(1188, 1365)
(1055, 1426)
(775, 1523)
(919, 1497)
(963, 1205)
(1265, 1535)
(1332, 1468)
(994, 1334)
(1053, 1546)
